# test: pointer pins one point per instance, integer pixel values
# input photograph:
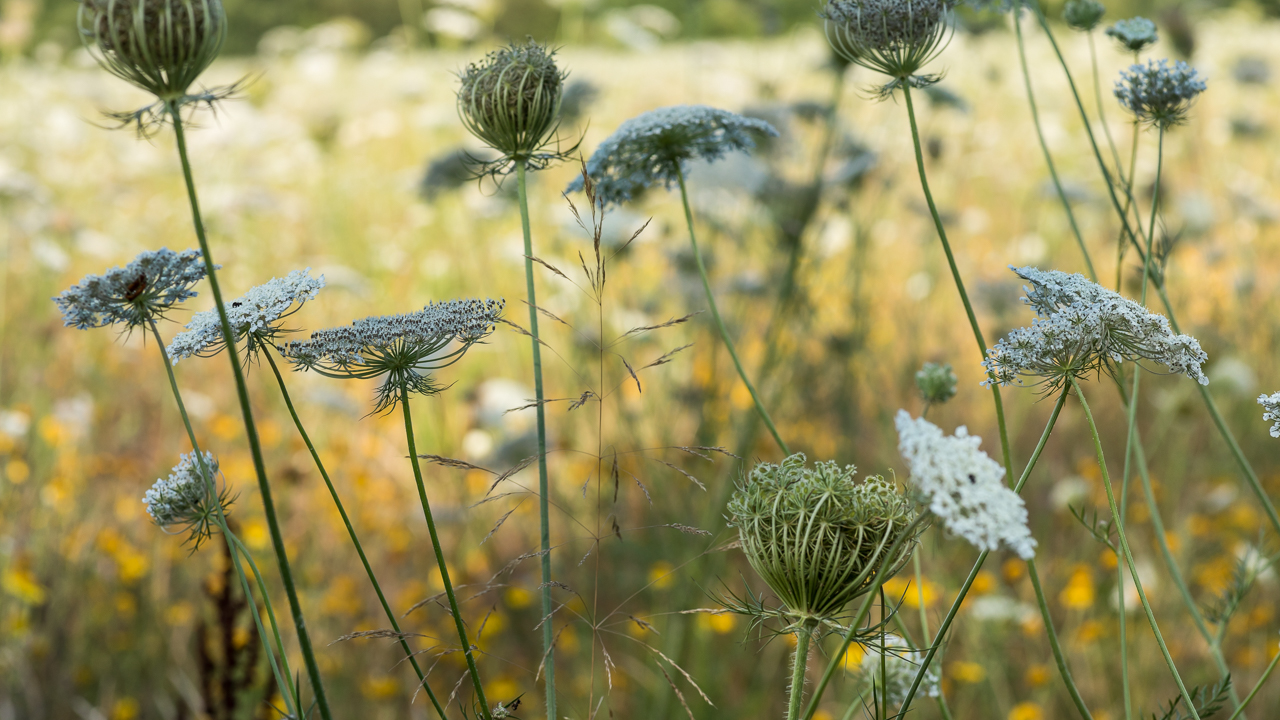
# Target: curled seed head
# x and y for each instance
(1083, 15)
(937, 383)
(895, 37)
(511, 99)
(817, 535)
(161, 46)
(1134, 34)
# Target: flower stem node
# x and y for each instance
(1134, 34)
(817, 535)
(937, 383)
(402, 347)
(1159, 94)
(895, 37)
(1083, 15)
(133, 295)
(511, 101)
(652, 148)
(962, 486)
(161, 46)
(189, 499)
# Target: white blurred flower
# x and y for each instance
(901, 665)
(1271, 411)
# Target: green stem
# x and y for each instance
(221, 518)
(1249, 698)
(715, 314)
(544, 512)
(1128, 202)
(1128, 552)
(982, 558)
(255, 447)
(800, 662)
(1102, 114)
(884, 661)
(355, 540)
(287, 681)
(1044, 146)
(955, 274)
(435, 544)
(1054, 644)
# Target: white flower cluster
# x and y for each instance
(1083, 326)
(650, 149)
(143, 290)
(962, 486)
(365, 342)
(180, 498)
(254, 315)
(1134, 34)
(1159, 93)
(1271, 411)
(901, 665)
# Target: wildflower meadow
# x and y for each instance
(907, 359)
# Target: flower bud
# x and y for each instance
(1083, 15)
(817, 535)
(1134, 34)
(937, 383)
(161, 46)
(511, 99)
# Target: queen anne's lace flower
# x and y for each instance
(1271, 411)
(962, 486)
(1082, 327)
(895, 37)
(399, 346)
(1158, 93)
(651, 149)
(1134, 34)
(185, 498)
(901, 665)
(1083, 15)
(254, 316)
(141, 291)
(937, 383)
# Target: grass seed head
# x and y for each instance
(816, 534)
(511, 99)
(161, 46)
(1083, 15)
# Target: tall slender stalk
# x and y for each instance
(982, 558)
(1128, 553)
(955, 274)
(800, 663)
(444, 569)
(544, 512)
(715, 314)
(1044, 146)
(1054, 643)
(283, 682)
(255, 447)
(355, 540)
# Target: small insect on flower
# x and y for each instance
(901, 664)
(161, 46)
(962, 486)
(937, 383)
(189, 499)
(1157, 93)
(1083, 15)
(652, 148)
(135, 294)
(511, 101)
(401, 347)
(1271, 411)
(895, 37)
(255, 317)
(1085, 328)
(1134, 34)
(817, 535)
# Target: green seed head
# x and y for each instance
(161, 46)
(817, 535)
(1083, 15)
(937, 383)
(511, 99)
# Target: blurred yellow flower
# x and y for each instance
(966, 672)
(1079, 592)
(1013, 569)
(126, 708)
(21, 583)
(518, 598)
(1089, 631)
(661, 575)
(984, 583)
(179, 613)
(502, 689)
(1026, 711)
(910, 593)
(719, 623)
(224, 427)
(379, 687)
(255, 535)
(17, 471)
(1037, 675)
